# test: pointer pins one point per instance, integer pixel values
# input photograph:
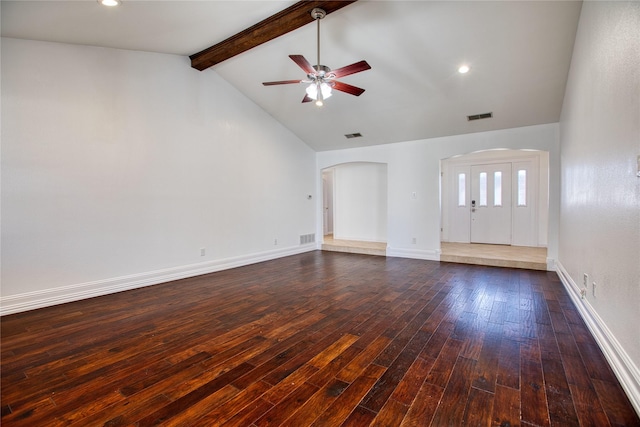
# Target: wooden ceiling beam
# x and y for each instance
(274, 26)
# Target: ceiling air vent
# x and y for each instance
(480, 116)
(353, 135)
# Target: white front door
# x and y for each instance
(491, 203)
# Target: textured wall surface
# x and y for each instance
(600, 142)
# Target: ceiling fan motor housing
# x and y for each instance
(321, 70)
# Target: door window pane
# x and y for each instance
(483, 188)
(497, 188)
(522, 187)
(462, 188)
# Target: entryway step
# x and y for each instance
(354, 249)
(532, 258)
(493, 262)
(354, 246)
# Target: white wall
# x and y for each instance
(360, 211)
(415, 167)
(600, 210)
(119, 166)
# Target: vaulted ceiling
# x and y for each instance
(519, 53)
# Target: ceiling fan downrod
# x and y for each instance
(317, 14)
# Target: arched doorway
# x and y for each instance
(355, 208)
(494, 204)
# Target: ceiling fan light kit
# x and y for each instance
(321, 79)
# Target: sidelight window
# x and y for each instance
(497, 188)
(522, 187)
(483, 188)
(462, 188)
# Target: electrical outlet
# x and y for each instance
(593, 289)
(203, 251)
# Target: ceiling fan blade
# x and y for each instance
(303, 63)
(306, 99)
(351, 69)
(282, 82)
(351, 90)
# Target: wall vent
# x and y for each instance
(307, 238)
(353, 135)
(480, 116)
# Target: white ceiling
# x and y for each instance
(519, 53)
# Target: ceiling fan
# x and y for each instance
(320, 78)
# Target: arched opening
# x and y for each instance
(495, 208)
(354, 209)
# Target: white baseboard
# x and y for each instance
(48, 297)
(551, 264)
(627, 372)
(430, 255)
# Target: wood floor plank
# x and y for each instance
(278, 392)
(190, 399)
(508, 373)
(231, 407)
(395, 372)
(318, 338)
(485, 375)
(329, 371)
(247, 415)
(352, 370)
(411, 383)
(479, 408)
(308, 411)
(443, 367)
(340, 409)
(532, 389)
(506, 407)
(614, 403)
(450, 412)
(284, 409)
(391, 413)
(424, 406)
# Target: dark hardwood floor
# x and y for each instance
(322, 339)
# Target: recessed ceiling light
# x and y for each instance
(110, 3)
(463, 69)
